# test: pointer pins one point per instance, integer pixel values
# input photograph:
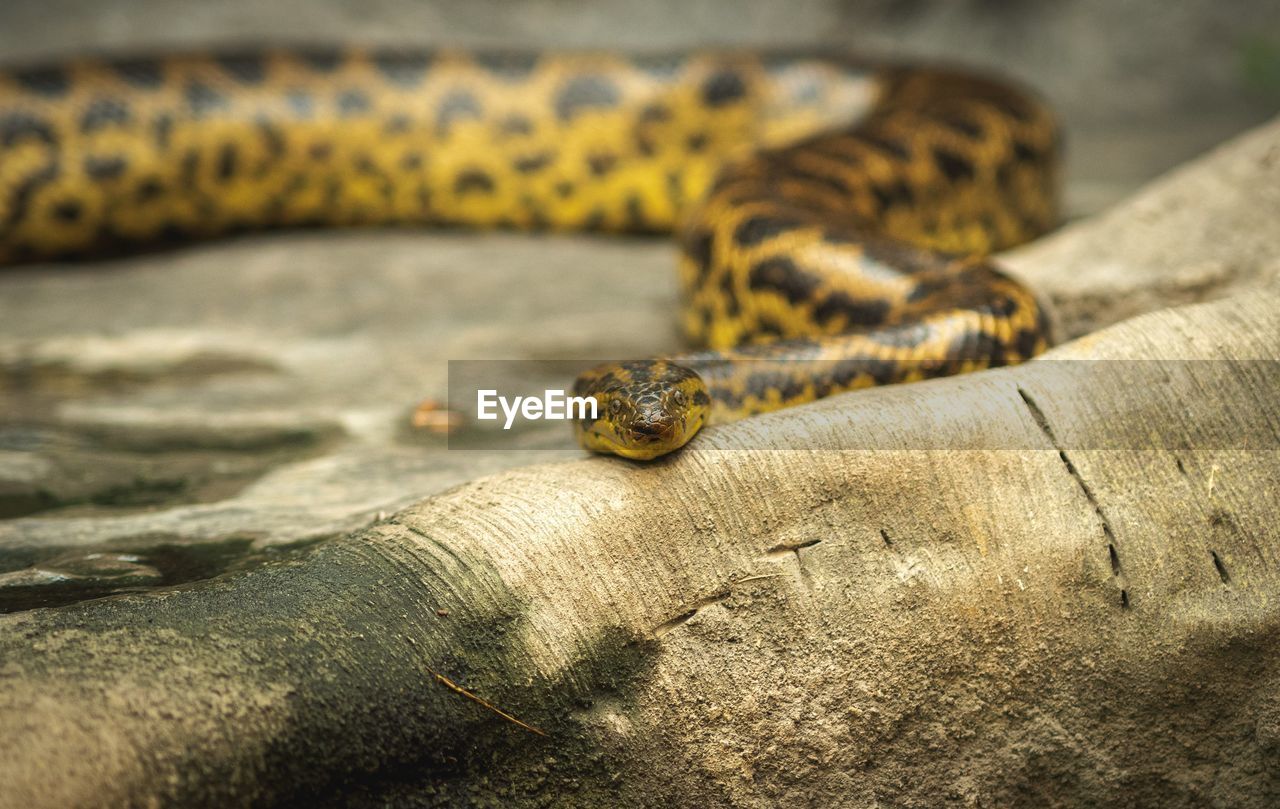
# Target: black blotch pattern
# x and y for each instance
(247, 68)
(953, 166)
(845, 372)
(149, 189)
(352, 103)
(864, 312)
(171, 233)
(902, 193)
(1024, 151)
(457, 106)
(403, 69)
(144, 74)
(727, 286)
(784, 165)
(883, 200)
(21, 195)
(68, 211)
(22, 252)
(397, 124)
(645, 144)
(732, 307)
(507, 65)
(332, 191)
(1006, 173)
(16, 127)
(528, 164)
(756, 229)
(516, 125)
(976, 346)
(655, 112)
(295, 184)
(636, 219)
(104, 168)
(228, 159)
(1001, 306)
(104, 112)
(411, 162)
(536, 212)
(272, 138)
(964, 126)
(697, 246)
(473, 181)
(50, 82)
(893, 194)
(190, 167)
(831, 148)
(585, 92)
(203, 100)
(601, 164)
(697, 141)
(891, 146)
(766, 326)
(1027, 342)
(660, 65)
(273, 211)
(723, 87)
(706, 317)
(793, 387)
(780, 274)
(564, 188)
(1017, 109)
(322, 60)
(926, 287)
(162, 130)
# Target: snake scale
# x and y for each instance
(832, 214)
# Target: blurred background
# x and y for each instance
(1143, 84)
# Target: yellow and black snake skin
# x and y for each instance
(832, 214)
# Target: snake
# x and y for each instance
(834, 216)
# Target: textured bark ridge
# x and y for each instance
(1027, 586)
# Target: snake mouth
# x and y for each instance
(646, 444)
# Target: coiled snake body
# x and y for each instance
(832, 215)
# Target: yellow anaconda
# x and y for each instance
(832, 214)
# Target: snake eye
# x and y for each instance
(678, 397)
(615, 406)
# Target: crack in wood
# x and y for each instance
(787, 548)
(1045, 427)
(684, 617)
(1221, 567)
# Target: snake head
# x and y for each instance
(644, 409)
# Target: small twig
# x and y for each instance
(452, 686)
(759, 576)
